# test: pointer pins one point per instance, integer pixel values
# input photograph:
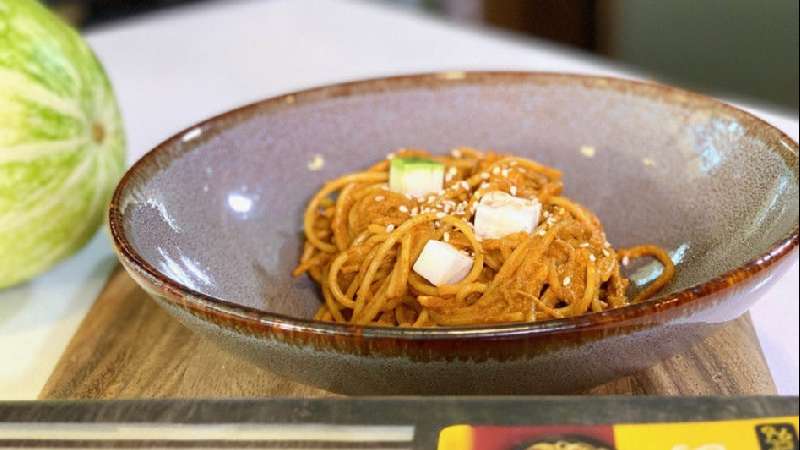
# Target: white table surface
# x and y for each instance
(179, 66)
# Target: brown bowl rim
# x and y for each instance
(231, 313)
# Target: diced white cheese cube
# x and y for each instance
(499, 214)
(441, 263)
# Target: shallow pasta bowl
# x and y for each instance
(209, 223)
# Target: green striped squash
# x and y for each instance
(62, 146)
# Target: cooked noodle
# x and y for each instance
(363, 239)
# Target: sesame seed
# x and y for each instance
(456, 153)
(512, 163)
(316, 163)
(484, 185)
(440, 215)
(625, 260)
(567, 281)
(513, 191)
(592, 258)
(451, 173)
(380, 198)
(496, 171)
(504, 172)
(446, 236)
(437, 224)
(649, 162)
(403, 208)
(605, 253)
(588, 151)
(484, 175)
(431, 199)
(583, 244)
(541, 232)
(465, 185)
(390, 156)
(414, 211)
(389, 228)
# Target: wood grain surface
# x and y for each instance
(128, 347)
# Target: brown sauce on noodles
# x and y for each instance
(362, 241)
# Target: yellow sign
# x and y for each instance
(778, 433)
(774, 433)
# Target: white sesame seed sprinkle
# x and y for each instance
(541, 232)
(379, 198)
(484, 175)
(389, 228)
(484, 185)
(414, 211)
(592, 258)
(403, 208)
(456, 153)
(316, 163)
(513, 191)
(504, 172)
(567, 281)
(583, 244)
(390, 156)
(605, 253)
(625, 260)
(588, 151)
(440, 215)
(496, 171)
(446, 236)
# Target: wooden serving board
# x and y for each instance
(128, 347)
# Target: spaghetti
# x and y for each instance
(362, 241)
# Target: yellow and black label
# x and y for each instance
(776, 433)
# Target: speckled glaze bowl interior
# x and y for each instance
(209, 222)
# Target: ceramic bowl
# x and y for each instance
(209, 223)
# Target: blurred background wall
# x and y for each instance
(741, 49)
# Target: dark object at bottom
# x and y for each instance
(376, 423)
